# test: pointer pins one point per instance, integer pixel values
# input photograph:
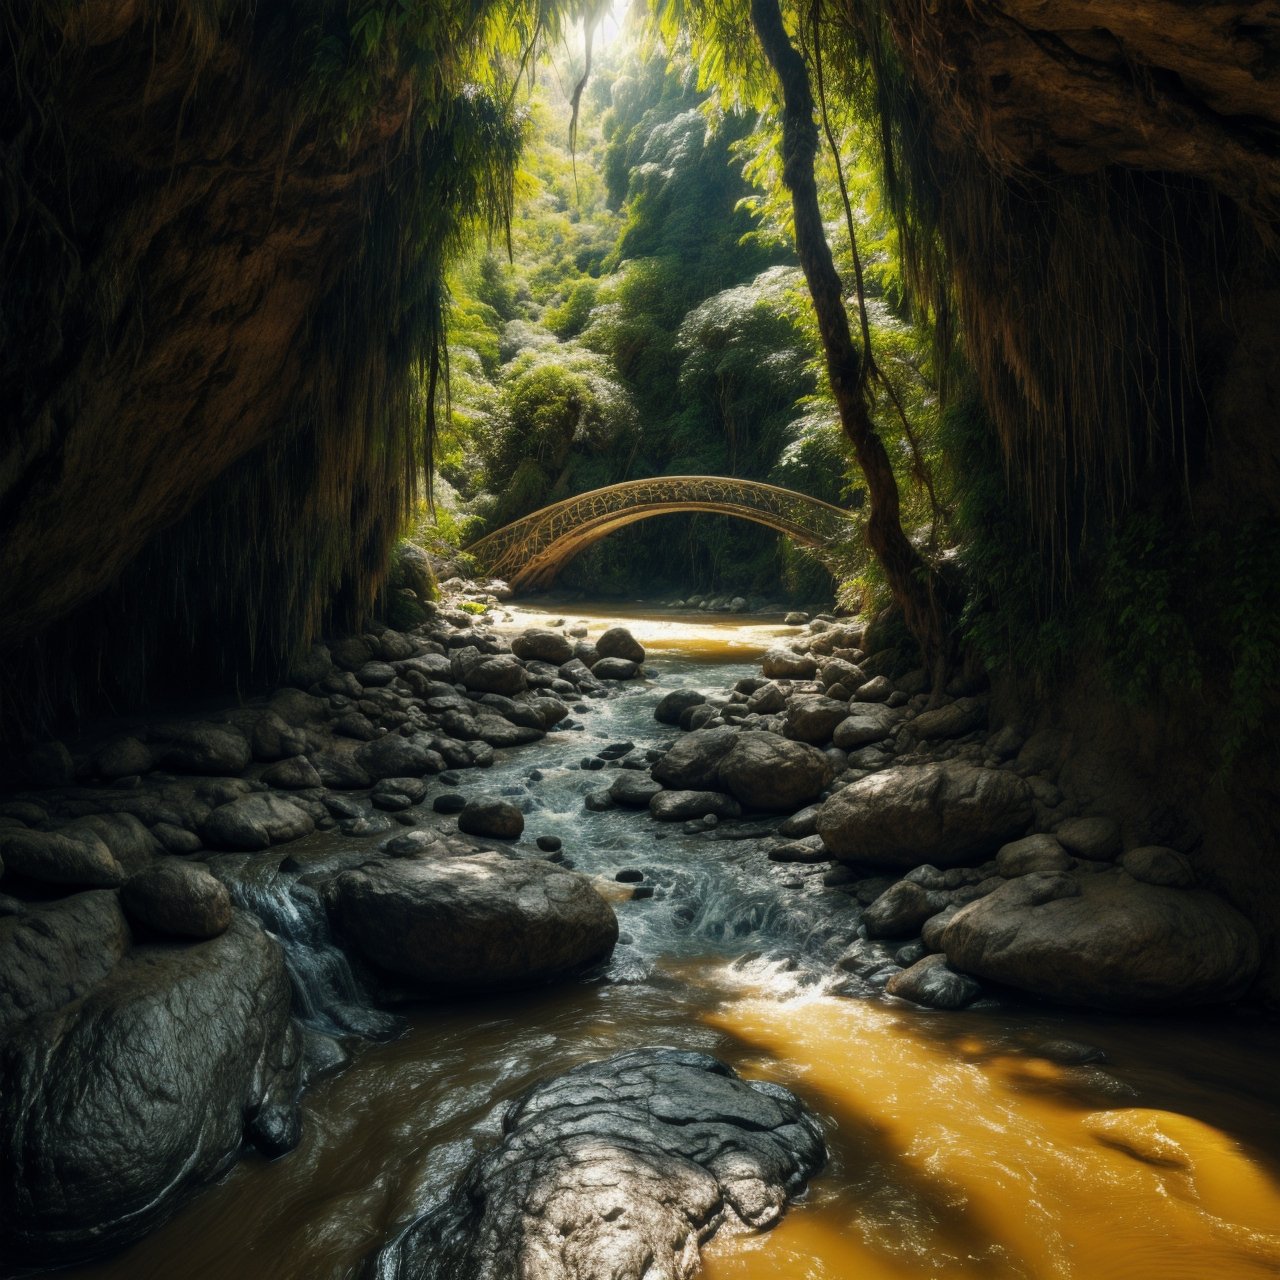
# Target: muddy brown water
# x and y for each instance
(957, 1150)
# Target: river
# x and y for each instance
(956, 1149)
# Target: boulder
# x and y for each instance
(294, 774)
(932, 982)
(199, 748)
(255, 822)
(1153, 864)
(272, 739)
(813, 718)
(52, 953)
(1032, 854)
(633, 789)
(177, 899)
(784, 664)
(679, 806)
(901, 910)
(480, 923)
(63, 857)
(907, 815)
(122, 757)
(544, 645)
(671, 706)
(866, 723)
(113, 1107)
(489, 816)
(621, 1169)
(693, 764)
(489, 672)
(1097, 838)
(1105, 941)
(835, 671)
(766, 700)
(765, 771)
(964, 715)
(392, 756)
(618, 642)
(877, 689)
(615, 669)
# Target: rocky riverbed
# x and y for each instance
(268, 882)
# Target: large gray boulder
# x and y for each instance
(693, 764)
(813, 719)
(867, 722)
(1105, 940)
(619, 1169)
(933, 983)
(944, 814)
(255, 822)
(618, 642)
(489, 672)
(543, 644)
(116, 1104)
(765, 771)
(785, 664)
(177, 899)
(671, 706)
(479, 923)
(64, 857)
(680, 806)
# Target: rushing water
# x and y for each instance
(956, 1149)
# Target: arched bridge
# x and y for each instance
(531, 551)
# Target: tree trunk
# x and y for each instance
(910, 579)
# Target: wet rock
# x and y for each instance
(1153, 864)
(836, 671)
(693, 764)
(767, 700)
(177, 899)
(392, 756)
(813, 719)
(544, 645)
(765, 771)
(618, 642)
(1032, 854)
(939, 813)
(117, 1104)
(620, 1169)
(877, 689)
(123, 757)
(629, 875)
(865, 724)
(478, 923)
(1070, 1053)
(964, 715)
(488, 816)
(615, 669)
(678, 806)
(199, 748)
(68, 857)
(549, 844)
(1113, 943)
(489, 673)
(255, 822)
(355, 724)
(901, 910)
(935, 926)
(671, 706)
(784, 664)
(803, 823)
(634, 790)
(810, 849)
(910, 952)
(598, 801)
(175, 839)
(53, 953)
(295, 774)
(932, 982)
(1097, 839)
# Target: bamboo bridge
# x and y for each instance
(530, 552)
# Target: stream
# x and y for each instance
(957, 1148)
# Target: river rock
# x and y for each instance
(489, 816)
(1113, 943)
(199, 748)
(865, 723)
(618, 642)
(484, 922)
(67, 857)
(255, 822)
(544, 645)
(785, 664)
(489, 672)
(177, 899)
(1153, 864)
(901, 910)
(1032, 854)
(932, 982)
(618, 1169)
(962, 716)
(678, 806)
(633, 789)
(944, 814)
(813, 719)
(122, 757)
(294, 774)
(765, 771)
(1097, 838)
(115, 1105)
(392, 756)
(693, 764)
(671, 706)
(615, 669)
(767, 700)
(877, 689)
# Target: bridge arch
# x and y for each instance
(530, 552)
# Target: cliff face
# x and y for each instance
(1104, 178)
(222, 298)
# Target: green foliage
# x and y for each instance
(475, 607)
